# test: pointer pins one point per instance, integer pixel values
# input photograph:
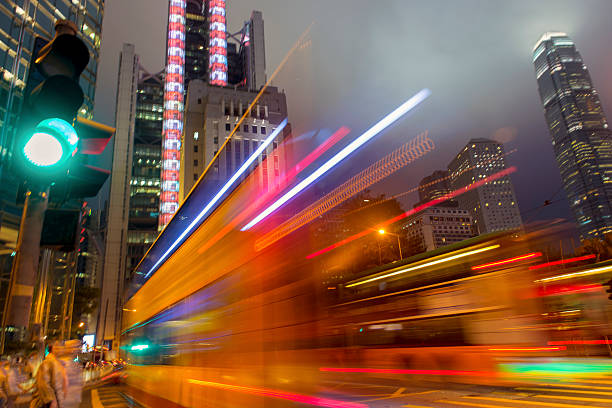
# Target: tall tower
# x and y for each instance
(174, 94)
(218, 43)
(581, 139)
(493, 207)
(115, 255)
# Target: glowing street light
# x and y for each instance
(399, 245)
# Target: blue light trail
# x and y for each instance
(341, 155)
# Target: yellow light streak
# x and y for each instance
(425, 265)
(588, 272)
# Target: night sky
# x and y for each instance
(364, 58)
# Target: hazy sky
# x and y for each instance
(365, 58)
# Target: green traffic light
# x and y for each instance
(53, 141)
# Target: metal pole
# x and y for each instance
(25, 266)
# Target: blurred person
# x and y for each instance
(51, 382)
(74, 373)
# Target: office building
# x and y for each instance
(115, 254)
(581, 139)
(146, 165)
(211, 115)
(493, 207)
(199, 47)
(436, 227)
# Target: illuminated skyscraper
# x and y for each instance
(493, 207)
(581, 139)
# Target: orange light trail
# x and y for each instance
(263, 392)
(399, 158)
(580, 342)
(557, 348)
(508, 261)
(563, 261)
(417, 209)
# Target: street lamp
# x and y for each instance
(399, 245)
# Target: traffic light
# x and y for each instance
(47, 140)
(609, 290)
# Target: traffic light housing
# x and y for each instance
(53, 148)
(47, 140)
(609, 290)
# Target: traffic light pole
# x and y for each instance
(25, 266)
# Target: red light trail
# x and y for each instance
(415, 210)
(508, 261)
(300, 398)
(563, 261)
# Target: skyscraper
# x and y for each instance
(581, 139)
(198, 48)
(115, 254)
(211, 115)
(493, 207)
(434, 186)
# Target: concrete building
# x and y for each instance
(581, 138)
(253, 50)
(493, 207)
(436, 227)
(210, 116)
(115, 254)
(434, 186)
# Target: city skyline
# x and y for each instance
(499, 59)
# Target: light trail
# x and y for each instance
(289, 396)
(563, 261)
(354, 145)
(588, 272)
(399, 158)
(288, 178)
(417, 209)
(424, 265)
(220, 194)
(508, 261)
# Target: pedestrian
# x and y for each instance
(51, 383)
(74, 373)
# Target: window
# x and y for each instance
(195, 162)
(228, 127)
(199, 101)
(263, 130)
(195, 148)
(245, 128)
(216, 140)
(195, 177)
(254, 129)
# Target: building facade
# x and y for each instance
(146, 166)
(581, 139)
(493, 207)
(436, 227)
(115, 254)
(434, 186)
(211, 115)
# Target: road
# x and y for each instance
(595, 391)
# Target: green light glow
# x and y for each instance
(43, 150)
(560, 368)
(52, 142)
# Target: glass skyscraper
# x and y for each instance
(581, 139)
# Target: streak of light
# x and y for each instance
(424, 265)
(588, 272)
(342, 154)
(522, 401)
(399, 158)
(300, 398)
(417, 209)
(220, 194)
(406, 371)
(521, 349)
(563, 261)
(563, 290)
(508, 261)
(288, 178)
(578, 342)
(412, 190)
